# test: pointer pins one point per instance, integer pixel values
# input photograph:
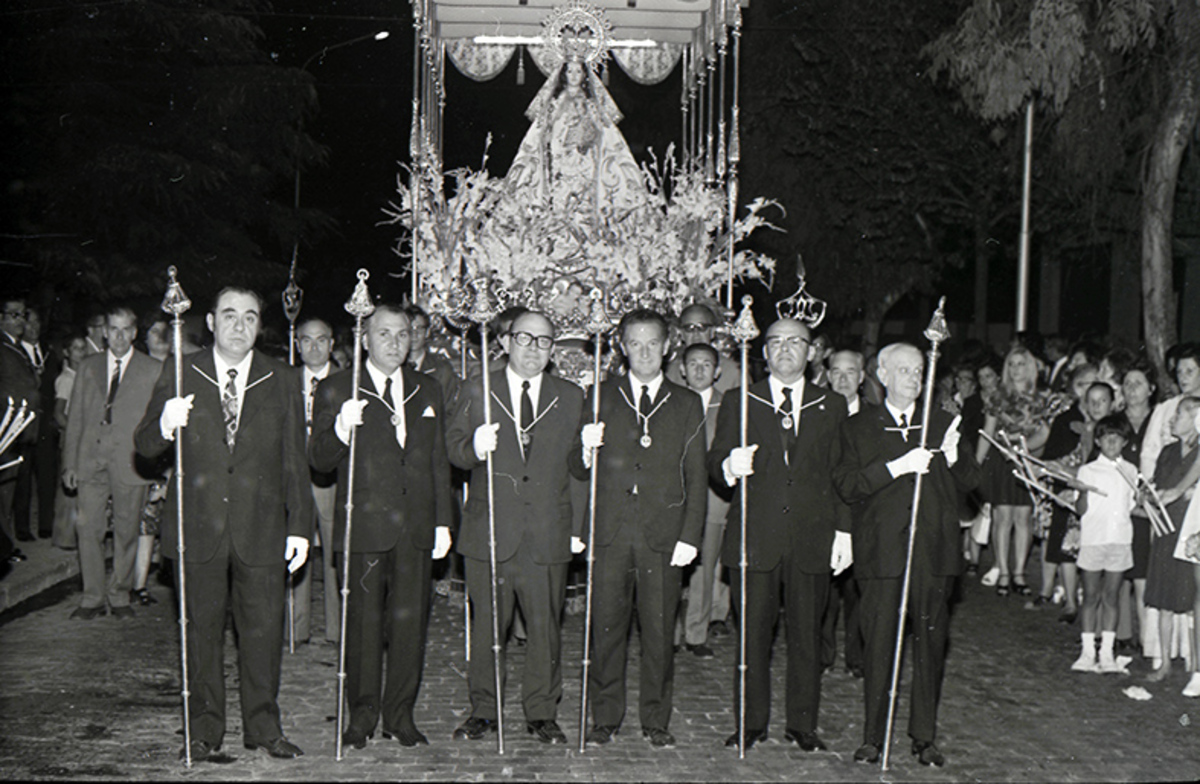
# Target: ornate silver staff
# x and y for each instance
(16, 419)
(359, 306)
(293, 295)
(176, 303)
(483, 310)
(598, 324)
(744, 330)
(936, 332)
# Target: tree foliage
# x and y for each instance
(155, 132)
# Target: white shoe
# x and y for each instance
(1109, 664)
(1085, 663)
(990, 577)
(1059, 595)
(1193, 686)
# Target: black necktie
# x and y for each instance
(229, 408)
(904, 426)
(644, 402)
(788, 423)
(113, 383)
(526, 418)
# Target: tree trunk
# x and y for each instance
(982, 256)
(873, 318)
(1158, 194)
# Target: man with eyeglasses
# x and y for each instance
(18, 382)
(402, 512)
(534, 420)
(797, 529)
(651, 496)
(697, 324)
(879, 460)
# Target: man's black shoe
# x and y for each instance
(856, 670)
(752, 737)
(807, 741)
(280, 748)
(474, 728)
(355, 738)
(408, 736)
(927, 753)
(546, 730)
(201, 750)
(718, 628)
(658, 737)
(88, 613)
(700, 651)
(24, 536)
(142, 597)
(868, 752)
(601, 734)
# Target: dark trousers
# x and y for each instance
(804, 597)
(627, 571)
(47, 473)
(844, 596)
(23, 492)
(929, 613)
(255, 594)
(388, 607)
(540, 589)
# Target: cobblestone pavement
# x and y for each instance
(100, 700)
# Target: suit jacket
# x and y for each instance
(400, 493)
(319, 478)
(671, 481)
(440, 368)
(260, 493)
(90, 447)
(792, 508)
(532, 500)
(19, 381)
(882, 506)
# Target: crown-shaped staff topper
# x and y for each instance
(802, 306)
(598, 321)
(175, 301)
(937, 331)
(485, 305)
(360, 305)
(293, 295)
(745, 329)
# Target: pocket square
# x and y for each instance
(428, 413)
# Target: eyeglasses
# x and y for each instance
(15, 314)
(695, 327)
(524, 339)
(793, 341)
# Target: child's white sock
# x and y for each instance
(1107, 641)
(1087, 656)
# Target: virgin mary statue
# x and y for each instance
(573, 159)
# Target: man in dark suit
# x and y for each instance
(797, 529)
(879, 459)
(18, 381)
(401, 508)
(314, 341)
(108, 400)
(247, 511)
(535, 418)
(651, 495)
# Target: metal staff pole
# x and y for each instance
(292, 297)
(598, 324)
(744, 330)
(359, 306)
(176, 303)
(936, 332)
(483, 314)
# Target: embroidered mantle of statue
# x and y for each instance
(573, 159)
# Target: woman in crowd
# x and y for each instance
(1021, 413)
(1137, 391)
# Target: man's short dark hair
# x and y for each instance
(238, 290)
(706, 348)
(642, 316)
(389, 308)
(1112, 395)
(120, 309)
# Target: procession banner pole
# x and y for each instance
(744, 331)
(598, 324)
(359, 306)
(491, 505)
(176, 303)
(936, 332)
(292, 296)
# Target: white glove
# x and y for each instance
(350, 416)
(684, 554)
(577, 545)
(950, 442)
(296, 552)
(843, 552)
(441, 542)
(915, 461)
(485, 440)
(593, 438)
(175, 414)
(740, 463)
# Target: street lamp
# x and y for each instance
(382, 34)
